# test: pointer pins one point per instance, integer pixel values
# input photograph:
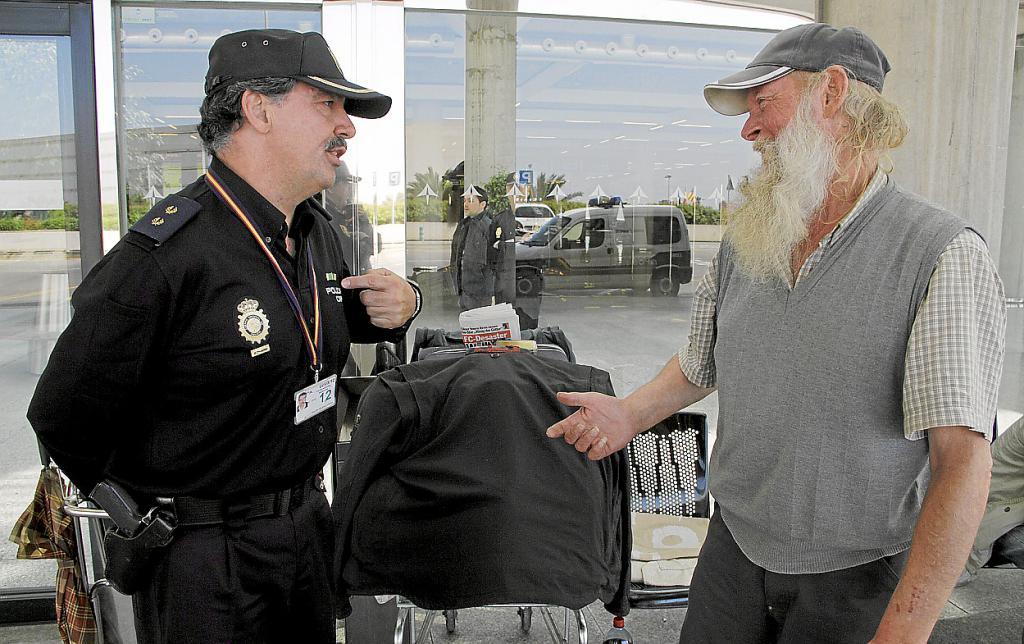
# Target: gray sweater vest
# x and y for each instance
(810, 467)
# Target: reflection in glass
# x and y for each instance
(547, 232)
(39, 259)
(162, 56)
(610, 123)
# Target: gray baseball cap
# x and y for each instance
(812, 48)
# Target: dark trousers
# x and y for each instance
(734, 601)
(262, 580)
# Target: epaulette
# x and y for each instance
(166, 218)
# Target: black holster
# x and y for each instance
(132, 546)
(130, 559)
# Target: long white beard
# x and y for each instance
(782, 195)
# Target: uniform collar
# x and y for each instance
(269, 219)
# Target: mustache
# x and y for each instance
(762, 146)
(335, 142)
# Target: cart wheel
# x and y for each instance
(525, 618)
(449, 621)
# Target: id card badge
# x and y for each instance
(311, 400)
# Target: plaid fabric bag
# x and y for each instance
(44, 531)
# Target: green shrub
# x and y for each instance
(704, 214)
(417, 209)
(495, 188)
(55, 218)
(61, 222)
(138, 206)
(8, 224)
(565, 204)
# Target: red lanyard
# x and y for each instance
(314, 340)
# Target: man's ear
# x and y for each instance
(254, 111)
(836, 88)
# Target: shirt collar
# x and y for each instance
(264, 214)
(877, 182)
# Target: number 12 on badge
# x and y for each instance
(311, 400)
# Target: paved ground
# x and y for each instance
(989, 611)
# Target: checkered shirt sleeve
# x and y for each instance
(697, 360)
(955, 353)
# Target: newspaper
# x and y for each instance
(486, 325)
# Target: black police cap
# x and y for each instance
(266, 53)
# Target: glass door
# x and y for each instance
(48, 197)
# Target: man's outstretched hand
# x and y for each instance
(600, 427)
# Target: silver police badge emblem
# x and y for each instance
(252, 321)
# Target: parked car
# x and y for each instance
(608, 246)
(530, 217)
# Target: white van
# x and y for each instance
(530, 217)
(608, 246)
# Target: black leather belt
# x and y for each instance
(193, 511)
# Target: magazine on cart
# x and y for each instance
(486, 325)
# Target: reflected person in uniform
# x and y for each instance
(854, 333)
(504, 245)
(192, 340)
(351, 220)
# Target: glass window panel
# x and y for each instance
(39, 260)
(662, 230)
(609, 122)
(162, 54)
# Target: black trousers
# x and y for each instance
(734, 601)
(263, 580)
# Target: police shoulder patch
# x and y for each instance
(166, 218)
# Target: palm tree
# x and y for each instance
(421, 179)
(545, 185)
(418, 208)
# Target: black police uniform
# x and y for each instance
(176, 379)
(472, 261)
(503, 240)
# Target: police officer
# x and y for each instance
(195, 338)
(504, 244)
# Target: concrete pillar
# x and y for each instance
(1011, 254)
(952, 70)
(490, 89)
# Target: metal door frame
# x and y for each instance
(74, 19)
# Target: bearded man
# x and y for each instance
(843, 321)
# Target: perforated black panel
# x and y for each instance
(667, 468)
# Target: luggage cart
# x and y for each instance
(407, 620)
(89, 518)
(349, 392)
(426, 347)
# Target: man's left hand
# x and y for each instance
(389, 299)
